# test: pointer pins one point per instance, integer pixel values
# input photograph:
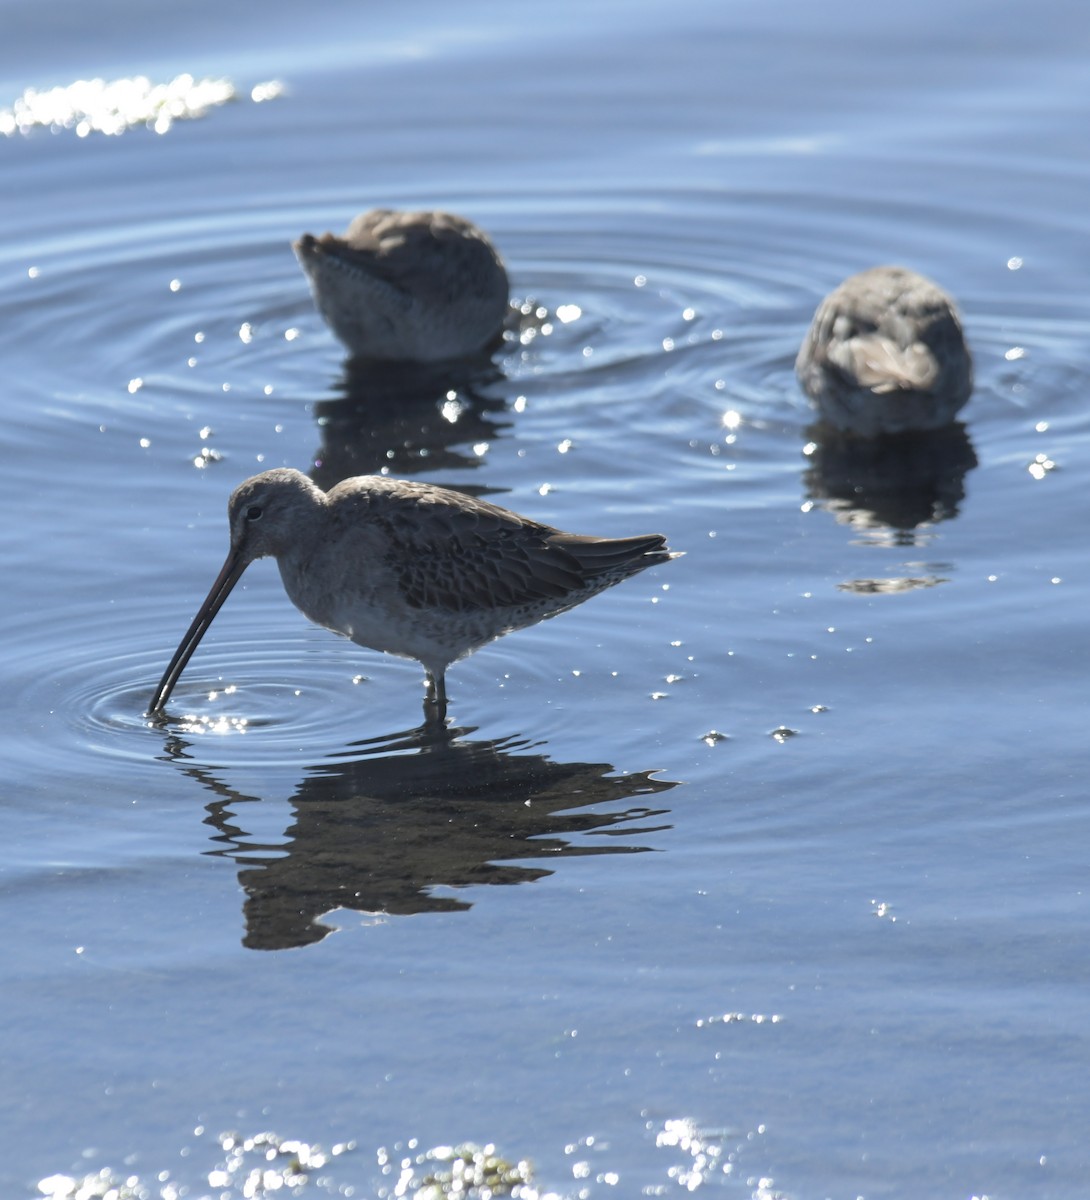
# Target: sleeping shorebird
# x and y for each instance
(885, 354)
(408, 286)
(414, 570)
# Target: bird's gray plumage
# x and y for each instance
(409, 568)
(885, 353)
(408, 286)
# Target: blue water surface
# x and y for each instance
(763, 873)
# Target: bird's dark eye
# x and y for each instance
(253, 513)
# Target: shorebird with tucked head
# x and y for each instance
(886, 354)
(408, 286)
(408, 568)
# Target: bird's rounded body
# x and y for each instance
(411, 569)
(885, 353)
(408, 286)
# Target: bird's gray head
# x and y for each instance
(271, 511)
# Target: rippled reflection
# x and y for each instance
(408, 418)
(892, 585)
(414, 811)
(902, 482)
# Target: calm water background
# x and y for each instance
(840, 951)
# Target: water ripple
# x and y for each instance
(656, 328)
(299, 701)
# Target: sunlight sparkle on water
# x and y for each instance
(452, 408)
(464, 1170)
(737, 1018)
(1041, 466)
(112, 107)
(261, 1165)
(705, 1153)
(271, 90)
(194, 723)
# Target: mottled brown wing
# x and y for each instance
(426, 253)
(880, 364)
(464, 554)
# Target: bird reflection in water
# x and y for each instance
(413, 812)
(405, 418)
(898, 482)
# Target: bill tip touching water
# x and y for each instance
(886, 354)
(408, 286)
(408, 568)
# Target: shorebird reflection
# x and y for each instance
(413, 813)
(408, 418)
(902, 482)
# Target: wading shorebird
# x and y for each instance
(410, 569)
(408, 286)
(885, 354)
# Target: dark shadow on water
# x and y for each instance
(411, 812)
(901, 481)
(407, 418)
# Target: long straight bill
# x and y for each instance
(213, 602)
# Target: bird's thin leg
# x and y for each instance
(435, 698)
